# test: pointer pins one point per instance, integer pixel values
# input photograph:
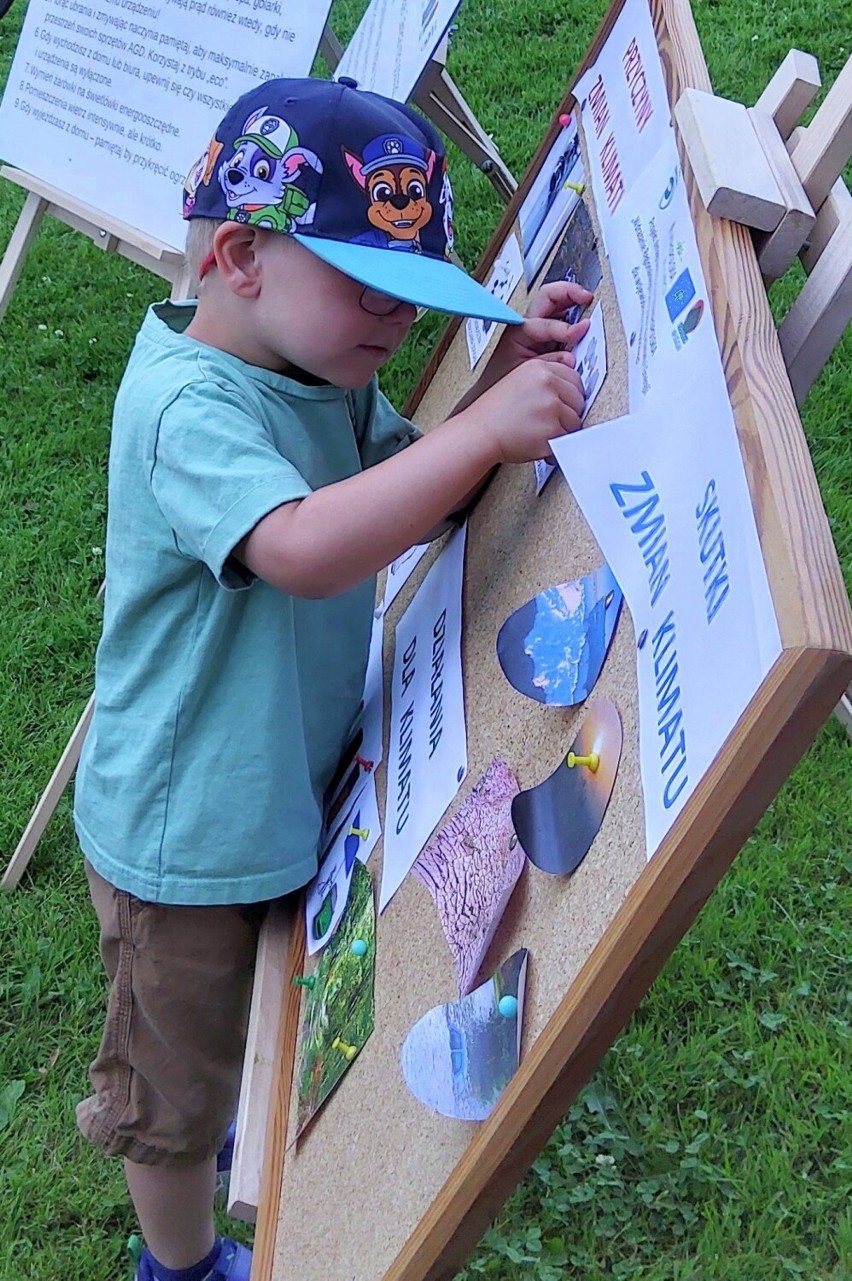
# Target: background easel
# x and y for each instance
(435, 94)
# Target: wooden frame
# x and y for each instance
(797, 696)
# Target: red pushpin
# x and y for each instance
(365, 764)
(564, 120)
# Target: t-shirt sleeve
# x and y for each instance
(215, 473)
(382, 431)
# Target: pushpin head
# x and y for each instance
(579, 187)
(592, 761)
(508, 1006)
(305, 980)
(363, 832)
(359, 947)
(348, 1051)
(564, 120)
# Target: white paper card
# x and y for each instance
(394, 41)
(625, 109)
(505, 274)
(366, 746)
(328, 892)
(551, 199)
(427, 753)
(399, 572)
(665, 494)
(113, 103)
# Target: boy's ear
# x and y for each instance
(236, 246)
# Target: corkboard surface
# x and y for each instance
(374, 1145)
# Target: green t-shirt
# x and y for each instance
(221, 704)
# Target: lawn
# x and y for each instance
(715, 1141)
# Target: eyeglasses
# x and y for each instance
(375, 303)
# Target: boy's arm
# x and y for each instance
(344, 533)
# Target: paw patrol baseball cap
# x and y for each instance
(356, 178)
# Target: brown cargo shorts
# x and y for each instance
(167, 1076)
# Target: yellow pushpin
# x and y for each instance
(363, 832)
(348, 1051)
(579, 187)
(592, 761)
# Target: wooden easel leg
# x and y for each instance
(43, 811)
(260, 1069)
(843, 711)
(438, 97)
(330, 48)
(16, 251)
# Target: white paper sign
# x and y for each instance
(551, 199)
(665, 494)
(365, 750)
(625, 108)
(427, 753)
(394, 41)
(327, 894)
(399, 572)
(505, 274)
(113, 102)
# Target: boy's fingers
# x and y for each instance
(566, 358)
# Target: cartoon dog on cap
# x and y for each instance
(259, 178)
(394, 171)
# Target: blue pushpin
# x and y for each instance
(358, 948)
(508, 1006)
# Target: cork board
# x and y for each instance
(381, 1187)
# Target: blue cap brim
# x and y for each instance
(413, 278)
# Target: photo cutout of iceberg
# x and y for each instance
(552, 649)
(459, 1058)
(558, 820)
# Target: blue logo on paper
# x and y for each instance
(681, 293)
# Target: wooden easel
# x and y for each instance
(811, 215)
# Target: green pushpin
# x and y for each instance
(363, 832)
(308, 980)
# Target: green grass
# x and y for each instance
(715, 1141)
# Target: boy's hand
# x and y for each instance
(544, 329)
(538, 400)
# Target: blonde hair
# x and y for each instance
(199, 243)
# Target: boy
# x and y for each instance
(258, 481)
